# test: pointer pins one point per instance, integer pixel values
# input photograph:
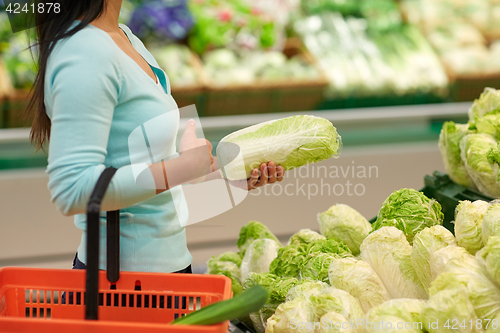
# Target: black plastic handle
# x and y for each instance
(93, 242)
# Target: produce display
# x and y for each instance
(361, 62)
(409, 269)
(176, 61)
(470, 151)
(296, 141)
(233, 24)
(224, 67)
(465, 33)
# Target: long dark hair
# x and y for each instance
(51, 27)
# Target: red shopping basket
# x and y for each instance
(56, 300)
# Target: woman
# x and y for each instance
(96, 84)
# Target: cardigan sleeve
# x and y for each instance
(83, 83)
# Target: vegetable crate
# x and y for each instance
(12, 109)
(467, 88)
(55, 300)
(265, 97)
(440, 187)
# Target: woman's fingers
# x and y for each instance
(254, 178)
(263, 175)
(271, 170)
(280, 173)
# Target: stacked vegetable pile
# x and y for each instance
(406, 267)
(470, 151)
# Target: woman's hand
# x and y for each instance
(269, 174)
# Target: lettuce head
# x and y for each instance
(278, 289)
(449, 145)
(259, 256)
(289, 261)
(289, 313)
(475, 149)
(469, 224)
(315, 267)
(410, 211)
(290, 142)
(446, 305)
(395, 314)
(440, 258)
(491, 221)
(306, 289)
(489, 256)
(333, 299)
(230, 256)
(483, 294)
(305, 236)
(328, 246)
(487, 103)
(251, 231)
(388, 252)
(226, 268)
(358, 279)
(425, 243)
(333, 322)
(489, 124)
(345, 224)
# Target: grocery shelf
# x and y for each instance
(358, 127)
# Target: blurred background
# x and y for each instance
(387, 73)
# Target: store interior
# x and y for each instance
(386, 73)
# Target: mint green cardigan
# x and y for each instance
(96, 96)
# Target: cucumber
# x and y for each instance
(251, 300)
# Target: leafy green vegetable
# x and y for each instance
(298, 311)
(290, 142)
(230, 256)
(487, 103)
(358, 279)
(289, 261)
(315, 266)
(328, 246)
(449, 304)
(468, 224)
(226, 268)
(258, 256)
(306, 290)
(410, 211)
(468, 272)
(395, 312)
(490, 257)
(475, 149)
(425, 244)
(440, 258)
(493, 157)
(491, 221)
(345, 224)
(489, 124)
(251, 231)
(304, 236)
(335, 323)
(278, 289)
(333, 299)
(449, 145)
(389, 254)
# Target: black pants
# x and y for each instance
(77, 264)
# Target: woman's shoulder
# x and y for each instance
(88, 43)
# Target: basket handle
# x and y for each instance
(93, 242)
